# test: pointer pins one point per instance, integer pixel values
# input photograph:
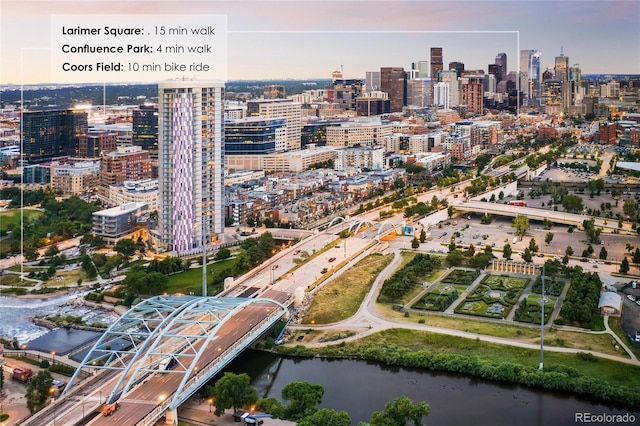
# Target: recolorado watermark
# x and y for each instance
(603, 418)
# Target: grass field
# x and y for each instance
(342, 297)
(12, 217)
(66, 278)
(191, 280)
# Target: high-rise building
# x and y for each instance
(436, 61)
(345, 92)
(458, 67)
(419, 92)
(53, 133)
(423, 69)
(191, 163)
(94, 144)
(501, 61)
(254, 135)
(145, 129)
(125, 163)
(561, 72)
(274, 91)
(372, 81)
(450, 77)
(473, 93)
(530, 76)
(393, 81)
(441, 95)
(280, 108)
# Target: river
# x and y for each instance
(361, 387)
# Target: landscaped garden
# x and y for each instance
(529, 309)
(493, 297)
(438, 299)
(462, 277)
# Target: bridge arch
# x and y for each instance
(359, 224)
(386, 222)
(335, 219)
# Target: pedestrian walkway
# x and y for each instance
(198, 412)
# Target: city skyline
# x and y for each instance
(310, 39)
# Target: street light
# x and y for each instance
(210, 403)
(542, 323)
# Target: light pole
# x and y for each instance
(210, 403)
(540, 367)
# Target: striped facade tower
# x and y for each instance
(190, 164)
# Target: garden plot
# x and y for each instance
(493, 297)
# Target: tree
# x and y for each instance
(565, 260)
(126, 247)
(533, 246)
(303, 398)
(38, 391)
(572, 203)
(234, 391)
(423, 236)
(222, 254)
(450, 211)
(593, 233)
(326, 416)
(415, 243)
(526, 255)
(506, 251)
(521, 224)
(400, 412)
(624, 266)
(30, 253)
(455, 257)
(636, 256)
(548, 238)
(51, 251)
(603, 253)
(569, 251)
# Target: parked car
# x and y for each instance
(331, 259)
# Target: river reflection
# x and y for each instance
(361, 387)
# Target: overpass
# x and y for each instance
(536, 214)
(165, 348)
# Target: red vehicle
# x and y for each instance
(331, 259)
(22, 374)
(520, 203)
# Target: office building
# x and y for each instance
(501, 62)
(47, 134)
(436, 61)
(441, 95)
(126, 221)
(280, 108)
(393, 81)
(530, 77)
(368, 106)
(125, 163)
(145, 129)
(458, 67)
(473, 93)
(255, 135)
(190, 164)
(372, 81)
(450, 77)
(95, 144)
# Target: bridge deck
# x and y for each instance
(158, 387)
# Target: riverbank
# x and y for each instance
(582, 373)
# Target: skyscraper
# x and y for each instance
(51, 133)
(501, 61)
(561, 71)
(450, 77)
(393, 81)
(436, 62)
(530, 76)
(191, 163)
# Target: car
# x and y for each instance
(595, 266)
(638, 302)
(444, 233)
(297, 252)
(275, 266)
(331, 259)
(540, 254)
(584, 259)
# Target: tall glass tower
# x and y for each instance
(190, 164)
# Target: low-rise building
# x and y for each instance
(126, 221)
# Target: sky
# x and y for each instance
(309, 39)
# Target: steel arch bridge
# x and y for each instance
(187, 336)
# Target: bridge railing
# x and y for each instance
(222, 359)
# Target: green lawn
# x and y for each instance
(12, 217)
(191, 280)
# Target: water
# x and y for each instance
(361, 387)
(14, 312)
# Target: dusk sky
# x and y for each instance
(310, 39)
